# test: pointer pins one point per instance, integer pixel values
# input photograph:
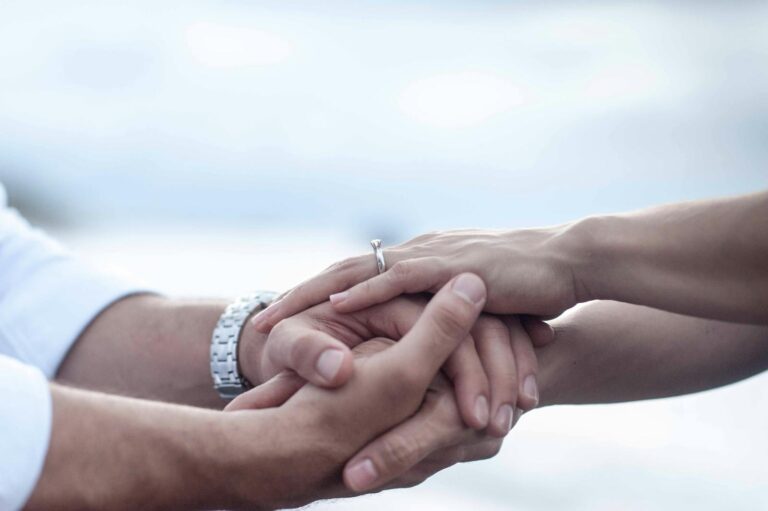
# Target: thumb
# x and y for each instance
(444, 324)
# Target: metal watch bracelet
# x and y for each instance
(227, 379)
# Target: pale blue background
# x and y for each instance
(211, 147)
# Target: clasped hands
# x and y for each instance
(381, 411)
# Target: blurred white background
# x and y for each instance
(215, 147)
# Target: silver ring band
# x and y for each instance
(381, 264)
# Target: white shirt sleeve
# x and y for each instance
(25, 412)
(47, 298)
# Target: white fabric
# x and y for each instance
(25, 426)
(47, 297)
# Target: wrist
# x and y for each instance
(250, 350)
(591, 245)
(278, 458)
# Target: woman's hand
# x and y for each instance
(528, 271)
(493, 369)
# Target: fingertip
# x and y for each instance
(482, 412)
(338, 299)
(528, 396)
(264, 320)
(474, 411)
(470, 288)
(360, 475)
(502, 421)
(540, 332)
(333, 367)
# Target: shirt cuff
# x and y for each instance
(25, 429)
(53, 306)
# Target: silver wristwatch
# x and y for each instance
(227, 379)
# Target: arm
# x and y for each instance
(149, 347)
(110, 452)
(705, 258)
(113, 453)
(158, 348)
(609, 352)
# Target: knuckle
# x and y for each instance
(401, 272)
(299, 351)
(399, 453)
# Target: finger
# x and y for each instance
(338, 277)
(466, 371)
(408, 276)
(445, 458)
(394, 318)
(527, 365)
(269, 394)
(445, 323)
(401, 448)
(494, 346)
(540, 332)
(314, 355)
(483, 450)
(429, 466)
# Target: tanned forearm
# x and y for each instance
(116, 453)
(609, 352)
(705, 258)
(150, 347)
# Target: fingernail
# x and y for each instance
(260, 319)
(470, 288)
(504, 418)
(329, 363)
(362, 474)
(481, 410)
(530, 389)
(338, 297)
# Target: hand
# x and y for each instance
(494, 369)
(433, 439)
(527, 271)
(324, 428)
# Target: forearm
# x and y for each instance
(705, 258)
(115, 453)
(609, 352)
(149, 347)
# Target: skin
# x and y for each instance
(607, 352)
(433, 439)
(603, 352)
(684, 271)
(662, 257)
(155, 348)
(111, 452)
(704, 258)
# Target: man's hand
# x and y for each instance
(115, 453)
(433, 439)
(493, 370)
(325, 428)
